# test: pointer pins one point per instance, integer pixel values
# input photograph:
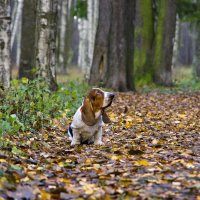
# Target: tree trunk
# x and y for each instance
(27, 64)
(165, 33)
(197, 53)
(144, 35)
(75, 42)
(186, 44)
(112, 64)
(46, 40)
(92, 13)
(68, 36)
(83, 44)
(87, 30)
(16, 23)
(64, 35)
(5, 43)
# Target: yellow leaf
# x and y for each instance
(96, 166)
(2, 160)
(88, 161)
(67, 182)
(129, 123)
(139, 120)
(61, 164)
(24, 80)
(68, 160)
(45, 136)
(88, 188)
(112, 116)
(142, 162)
(183, 116)
(155, 141)
(115, 157)
(107, 197)
(133, 193)
(198, 198)
(45, 195)
(125, 179)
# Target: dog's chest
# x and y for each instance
(88, 132)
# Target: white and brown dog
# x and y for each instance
(86, 127)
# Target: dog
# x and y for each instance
(86, 126)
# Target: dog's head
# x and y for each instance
(95, 104)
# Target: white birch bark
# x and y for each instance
(64, 6)
(65, 16)
(43, 37)
(83, 44)
(87, 31)
(175, 47)
(5, 43)
(46, 39)
(16, 20)
(16, 29)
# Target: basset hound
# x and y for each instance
(86, 126)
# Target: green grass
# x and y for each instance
(30, 105)
(184, 81)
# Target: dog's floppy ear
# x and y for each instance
(105, 117)
(88, 115)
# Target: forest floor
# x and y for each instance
(151, 151)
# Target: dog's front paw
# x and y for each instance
(73, 143)
(98, 143)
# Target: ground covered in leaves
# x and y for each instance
(151, 151)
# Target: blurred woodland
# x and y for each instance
(53, 51)
(115, 44)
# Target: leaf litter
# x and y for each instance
(151, 151)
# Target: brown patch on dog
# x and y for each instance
(93, 103)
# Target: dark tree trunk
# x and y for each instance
(68, 38)
(197, 54)
(75, 42)
(112, 64)
(165, 33)
(28, 39)
(144, 35)
(186, 44)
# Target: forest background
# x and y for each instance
(53, 51)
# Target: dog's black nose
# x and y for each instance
(112, 95)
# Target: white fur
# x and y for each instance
(82, 131)
(106, 99)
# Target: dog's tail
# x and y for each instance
(70, 132)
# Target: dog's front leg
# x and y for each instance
(98, 137)
(76, 137)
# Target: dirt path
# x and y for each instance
(151, 151)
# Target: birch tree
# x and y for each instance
(5, 43)
(87, 31)
(45, 57)
(65, 30)
(15, 44)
